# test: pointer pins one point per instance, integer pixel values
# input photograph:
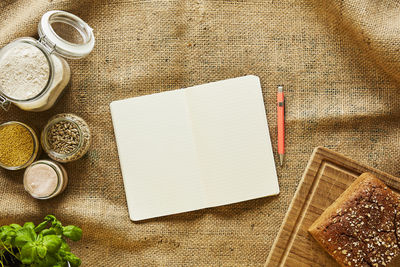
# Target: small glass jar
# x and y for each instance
(66, 137)
(45, 179)
(35, 146)
(33, 73)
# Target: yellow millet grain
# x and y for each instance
(16, 145)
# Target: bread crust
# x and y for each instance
(362, 227)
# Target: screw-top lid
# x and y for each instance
(60, 43)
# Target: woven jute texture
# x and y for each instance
(339, 62)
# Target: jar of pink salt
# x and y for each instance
(45, 179)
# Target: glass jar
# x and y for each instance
(33, 73)
(45, 179)
(66, 137)
(11, 134)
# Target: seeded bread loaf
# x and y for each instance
(362, 227)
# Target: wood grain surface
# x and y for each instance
(326, 176)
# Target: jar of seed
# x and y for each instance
(66, 137)
(19, 145)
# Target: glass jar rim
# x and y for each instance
(57, 169)
(41, 47)
(59, 45)
(45, 141)
(35, 146)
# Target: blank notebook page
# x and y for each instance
(194, 148)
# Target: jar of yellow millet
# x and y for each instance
(19, 145)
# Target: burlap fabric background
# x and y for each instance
(338, 60)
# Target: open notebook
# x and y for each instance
(194, 148)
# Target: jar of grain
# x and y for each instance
(19, 145)
(45, 179)
(66, 137)
(33, 73)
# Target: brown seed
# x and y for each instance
(63, 137)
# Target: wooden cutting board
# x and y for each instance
(327, 175)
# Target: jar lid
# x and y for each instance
(60, 43)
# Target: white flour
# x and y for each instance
(24, 71)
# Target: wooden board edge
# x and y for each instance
(279, 238)
(390, 180)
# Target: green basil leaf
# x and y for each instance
(29, 225)
(50, 218)
(10, 239)
(41, 251)
(52, 243)
(64, 246)
(28, 253)
(24, 235)
(72, 232)
(15, 226)
(48, 232)
(47, 261)
(55, 223)
(39, 263)
(6, 232)
(50, 260)
(41, 226)
(72, 259)
(39, 238)
(4, 227)
(58, 230)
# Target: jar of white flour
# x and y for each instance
(34, 73)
